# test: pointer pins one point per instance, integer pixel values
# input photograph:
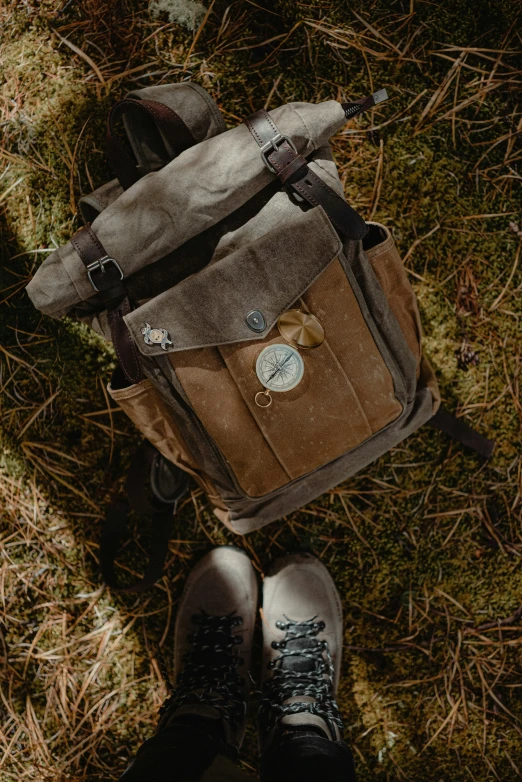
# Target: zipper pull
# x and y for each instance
(357, 107)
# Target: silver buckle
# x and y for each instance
(100, 264)
(272, 146)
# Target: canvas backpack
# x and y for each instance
(268, 338)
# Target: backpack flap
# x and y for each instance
(207, 345)
(265, 276)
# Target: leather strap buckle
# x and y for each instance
(272, 146)
(100, 264)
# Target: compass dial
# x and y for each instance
(279, 367)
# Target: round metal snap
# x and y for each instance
(256, 321)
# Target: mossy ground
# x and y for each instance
(425, 544)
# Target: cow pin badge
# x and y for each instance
(155, 336)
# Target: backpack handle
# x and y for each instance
(171, 128)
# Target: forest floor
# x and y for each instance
(425, 544)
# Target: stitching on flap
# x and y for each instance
(130, 392)
(383, 246)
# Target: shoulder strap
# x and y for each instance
(169, 484)
(168, 123)
(158, 123)
(458, 430)
(281, 158)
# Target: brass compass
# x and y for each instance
(281, 367)
(300, 329)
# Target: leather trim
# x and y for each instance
(87, 245)
(124, 345)
(307, 185)
(90, 249)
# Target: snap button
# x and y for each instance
(256, 321)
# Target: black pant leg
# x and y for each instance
(308, 759)
(179, 753)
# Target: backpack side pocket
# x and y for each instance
(148, 412)
(391, 274)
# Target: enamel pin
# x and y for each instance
(155, 336)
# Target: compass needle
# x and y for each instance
(279, 368)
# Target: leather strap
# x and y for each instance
(458, 430)
(168, 122)
(115, 530)
(107, 277)
(124, 345)
(294, 172)
(87, 245)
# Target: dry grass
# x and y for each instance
(426, 544)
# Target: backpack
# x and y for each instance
(268, 339)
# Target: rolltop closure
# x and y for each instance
(166, 208)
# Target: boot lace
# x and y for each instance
(209, 675)
(304, 668)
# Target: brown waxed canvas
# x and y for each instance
(300, 432)
(222, 411)
(247, 514)
(346, 380)
(389, 270)
(147, 411)
(331, 299)
(313, 423)
(150, 415)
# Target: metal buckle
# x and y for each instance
(101, 263)
(272, 146)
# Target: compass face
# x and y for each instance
(279, 367)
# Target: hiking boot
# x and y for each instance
(302, 643)
(212, 647)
